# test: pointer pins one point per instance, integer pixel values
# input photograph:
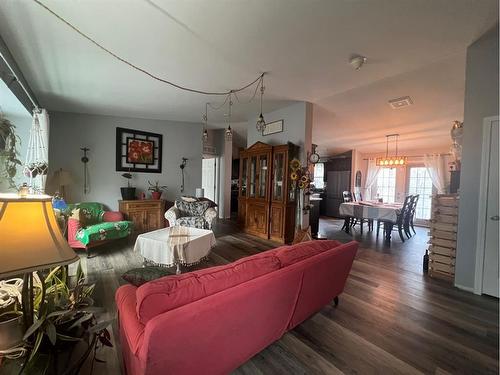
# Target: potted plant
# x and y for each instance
(155, 189)
(128, 193)
(65, 333)
(9, 160)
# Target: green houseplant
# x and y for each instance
(8, 152)
(156, 190)
(66, 331)
(128, 193)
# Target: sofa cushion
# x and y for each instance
(104, 231)
(191, 208)
(112, 216)
(295, 253)
(191, 221)
(168, 293)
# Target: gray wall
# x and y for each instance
(481, 100)
(70, 131)
(297, 127)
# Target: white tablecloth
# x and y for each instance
(370, 210)
(175, 245)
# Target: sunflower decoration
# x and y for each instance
(299, 175)
(295, 165)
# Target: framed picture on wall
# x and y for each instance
(273, 127)
(138, 151)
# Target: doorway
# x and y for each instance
(209, 180)
(420, 182)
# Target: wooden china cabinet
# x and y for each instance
(266, 201)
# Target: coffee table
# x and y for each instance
(175, 246)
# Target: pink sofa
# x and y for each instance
(212, 321)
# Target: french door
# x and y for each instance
(419, 182)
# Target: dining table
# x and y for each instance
(371, 210)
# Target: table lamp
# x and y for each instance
(30, 240)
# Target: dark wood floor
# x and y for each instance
(391, 318)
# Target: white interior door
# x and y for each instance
(490, 266)
(209, 178)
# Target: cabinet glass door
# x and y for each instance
(244, 182)
(278, 176)
(252, 176)
(263, 171)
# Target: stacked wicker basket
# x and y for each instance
(443, 236)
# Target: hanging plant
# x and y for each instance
(8, 151)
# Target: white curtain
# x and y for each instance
(371, 178)
(436, 167)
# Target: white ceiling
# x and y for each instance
(414, 47)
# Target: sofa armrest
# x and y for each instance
(209, 215)
(172, 215)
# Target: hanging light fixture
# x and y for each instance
(391, 161)
(205, 120)
(229, 131)
(261, 124)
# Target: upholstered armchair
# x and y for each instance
(197, 214)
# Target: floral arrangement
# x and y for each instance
(299, 175)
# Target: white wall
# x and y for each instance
(297, 127)
(481, 100)
(70, 131)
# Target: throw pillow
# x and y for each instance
(139, 276)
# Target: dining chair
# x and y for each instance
(412, 213)
(358, 196)
(400, 220)
(357, 220)
(348, 220)
(347, 196)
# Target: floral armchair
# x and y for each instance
(191, 213)
(89, 225)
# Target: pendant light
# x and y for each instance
(205, 120)
(229, 131)
(391, 161)
(261, 124)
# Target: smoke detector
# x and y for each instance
(357, 61)
(402, 102)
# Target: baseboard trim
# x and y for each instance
(466, 288)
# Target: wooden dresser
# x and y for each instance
(147, 215)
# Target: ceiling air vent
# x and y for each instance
(402, 102)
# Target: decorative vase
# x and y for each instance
(156, 194)
(128, 193)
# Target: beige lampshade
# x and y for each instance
(30, 238)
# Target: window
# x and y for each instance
(420, 182)
(386, 185)
(319, 173)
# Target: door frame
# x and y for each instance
(420, 222)
(482, 209)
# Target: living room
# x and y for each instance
(249, 187)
